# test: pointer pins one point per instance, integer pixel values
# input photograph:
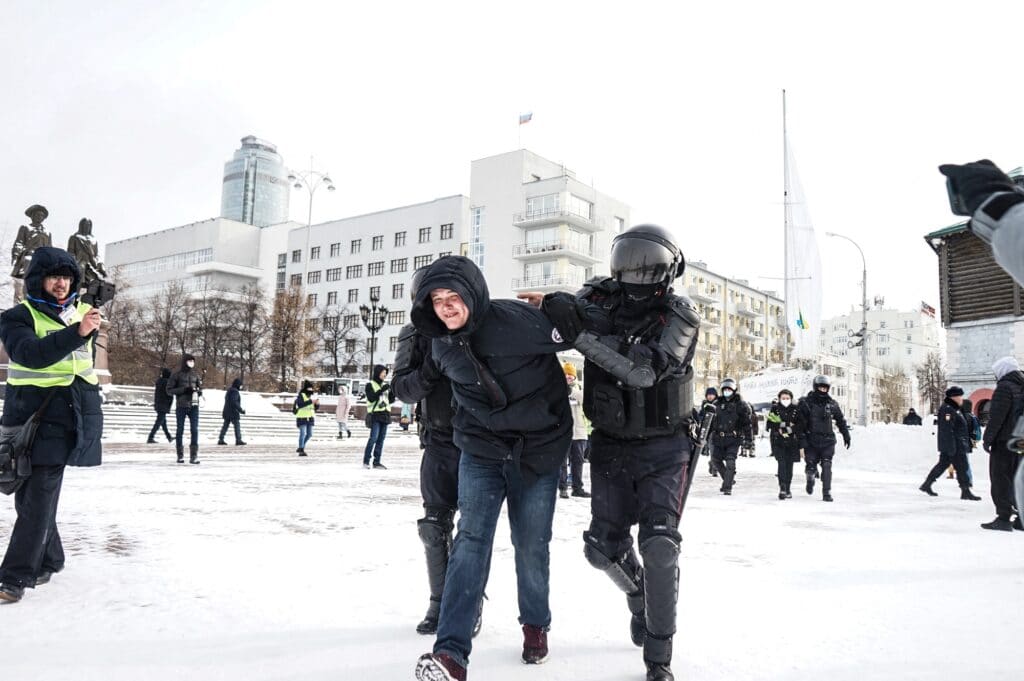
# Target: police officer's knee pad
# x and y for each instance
(660, 551)
(435, 528)
(596, 558)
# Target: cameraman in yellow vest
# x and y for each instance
(49, 338)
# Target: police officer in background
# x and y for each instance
(418, 380)
(710, 395)
(49, 338)
(818, 411)
(640, 460)
(954, 443)
(730, 430)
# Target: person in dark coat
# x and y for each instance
(162, 403)
(819, 411)
(305, 415)
(912, 418)
(513, 426)
(954, 444)
(186, 385)
(49, 338)
(232, 412)
(378, 409)
(710, 395)
(785, 427)
(730, 430)
(748, 449)
(1005, 408)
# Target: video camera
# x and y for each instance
(99, 293)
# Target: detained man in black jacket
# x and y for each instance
(417, 380)
(639, 339)
(232, 412)
(186, 386)
(954, 442)
(49, 338)
(730, 430)
(513, 426)
(785, 427)
(1006, 406)
(818, 411)
(162, 403)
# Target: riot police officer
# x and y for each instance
(730, 430)
(638, 339)
(818, 411)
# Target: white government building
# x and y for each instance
(895, 338)
(528, 222)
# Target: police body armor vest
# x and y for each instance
(821, 417)
(727, 416)
(622, 413)
(61, 373)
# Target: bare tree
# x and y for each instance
(167, 320)
(893, 392)
(931, 381)
(337, 328)
(251, 326)
(293, 338)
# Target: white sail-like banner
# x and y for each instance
(803, 268)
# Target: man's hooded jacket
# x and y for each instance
(507, 381)
(70, 429)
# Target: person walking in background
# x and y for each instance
(232, 412)
(378, 415)
(1006, 406)
(341, 413)
(162, 403)
(818, 411)
(405, 418)
(954, 443)
(187, 387)
(912, 419)
(785, 427)
(579, 449)
(305, 414)
(710, 395)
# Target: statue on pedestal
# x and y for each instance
(84, 248)
(28, 240)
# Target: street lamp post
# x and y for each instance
(310, 180)
(863, 331)
(374, 318)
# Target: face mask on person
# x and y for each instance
(785, 401)
(190, 364)
(727, 393)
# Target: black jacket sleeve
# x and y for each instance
(17, 332)
(837, 415)
(999, 413)
(176, 386)
(415, 374)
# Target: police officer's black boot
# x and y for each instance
(926, 486)
(967, 495)
(661, 589)
(436, 535)
(826, 480)
(193, 454)
(181, 453)
(810, 482)
(638, 621)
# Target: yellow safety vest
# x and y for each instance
(62, 373)
(381, 405)
(307, 412)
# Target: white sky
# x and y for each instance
(127, 114)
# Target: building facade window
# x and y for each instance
(375, 293)
(334, 274)
(350, 321)
(335, 250)
(447, 230)
(393, 343)
(355, 246)
(353, 271)
(422, 261)
(399, 265)
(296, 280)
(280, 281)
(332, 298)
(537, 206)
(443, 254)
(396, 317)
(620, 224)
(378, 242)
(371, 344)
(311, 299)
(397, 291)
(282, 259)
(353, 295)
(313, 277)
(297, 255)
(476, 226)
(375, 269)
(581, 207)
(399, 239)
(350, 345)
(424, 234)
(314, 253)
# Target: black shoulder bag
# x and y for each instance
(16, 449)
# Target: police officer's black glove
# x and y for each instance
(846, 440)
(563, 310)
(977, 181)
(429, 370)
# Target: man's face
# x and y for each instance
(449, 308)
(823, 389)
(57, 285)
(959, 399)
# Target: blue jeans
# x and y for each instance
(305, 433)
(193, 424)
(483, 486)
(375, 443)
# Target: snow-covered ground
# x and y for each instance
(261, 565)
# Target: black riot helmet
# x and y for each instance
(821, 380)
(646, 254)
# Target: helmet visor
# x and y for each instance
(640, 261)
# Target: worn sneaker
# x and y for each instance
(439, 667)
(11, 593)
(999, 524)
(535, 644)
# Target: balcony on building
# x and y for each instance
(702, 295)
(745, 310)
(749, 335)
(547, 283)
(557, 217)
(545, 249)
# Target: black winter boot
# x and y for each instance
(193, 454)
(1018, 524)
(658, 657)
(181, 453)
(927, 488)
(967, 495)
(810, 483)
(428, 625)
(638, 621)
(1003, 524)
(657, 671)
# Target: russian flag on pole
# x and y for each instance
(526, 117)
